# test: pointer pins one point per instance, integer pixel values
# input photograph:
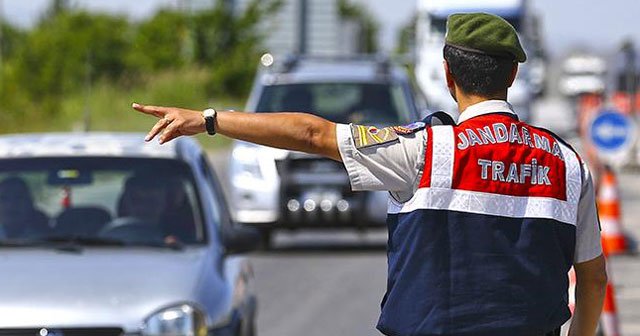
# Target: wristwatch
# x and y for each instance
(210, 120)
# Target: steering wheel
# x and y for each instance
(133, 230)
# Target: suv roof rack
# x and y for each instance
(291, 61)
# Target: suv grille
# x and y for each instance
(315, 191)
(308, 172)
(62, 332)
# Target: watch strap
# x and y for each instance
(210, 120)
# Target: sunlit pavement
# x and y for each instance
(331, 283)
(625, 270)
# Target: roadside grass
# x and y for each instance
(108, 106)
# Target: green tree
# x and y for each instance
(229, 43)
(407, 37)
(161, 42)
(47, 67)
(369, 27)
(10, 40)
(58, 7)
(58, 54)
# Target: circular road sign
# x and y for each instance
(612, 133)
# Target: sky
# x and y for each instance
(595, 24)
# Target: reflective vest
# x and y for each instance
(484, 245)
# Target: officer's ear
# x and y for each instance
(514, 73)
(451, 84)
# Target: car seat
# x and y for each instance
(297, 99)
(84, 221)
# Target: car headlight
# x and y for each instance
(182, 320)
(246, 163)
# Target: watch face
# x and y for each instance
(209, 112)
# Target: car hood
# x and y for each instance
(95, 287)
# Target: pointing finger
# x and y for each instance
(173, 136)
(157, 128)
(170, 132)
(152, 110)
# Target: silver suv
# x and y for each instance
(278, 189)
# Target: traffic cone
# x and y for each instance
(572, 290)
(613, 239)
(588, 107)
(609, 322)
(621, 102)
(609, 317)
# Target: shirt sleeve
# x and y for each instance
(588, 245)
(395, 166)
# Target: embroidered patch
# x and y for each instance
(409, 129)
(366, 136)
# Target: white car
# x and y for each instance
(277, 189)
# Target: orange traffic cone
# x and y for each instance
(572, 290)
(613, 239)
(609, 318)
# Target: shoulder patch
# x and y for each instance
(367, 136)
(409, 129)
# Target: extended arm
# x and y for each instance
(591, 282)
(295, 131)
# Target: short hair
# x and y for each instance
(477, 73)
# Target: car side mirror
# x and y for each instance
(239, 238)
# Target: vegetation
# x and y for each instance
(369, 27)
(74, 64)
(407, 37)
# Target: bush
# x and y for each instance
(69, 51)
(61, 54)
(162, 42)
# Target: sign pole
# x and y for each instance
(631, 86)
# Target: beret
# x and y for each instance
(484, 33)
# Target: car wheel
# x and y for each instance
(267, 238)
(249, 329)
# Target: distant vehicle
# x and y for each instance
(582, 73)
(277, 189)
(101, 234)
(431, 28)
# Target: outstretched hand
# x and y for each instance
(173, 122)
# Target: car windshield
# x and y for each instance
(125, 202)
(379, 103)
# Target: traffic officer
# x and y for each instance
(485, 217)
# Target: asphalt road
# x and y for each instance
(331, 283)
(320, 282)
(624, 270)
(312, 286)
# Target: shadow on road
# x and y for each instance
(324, 248)
(328, 242)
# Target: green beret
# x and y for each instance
(484, 33)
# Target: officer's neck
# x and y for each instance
(465, 100)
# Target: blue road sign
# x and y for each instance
(612, 132)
